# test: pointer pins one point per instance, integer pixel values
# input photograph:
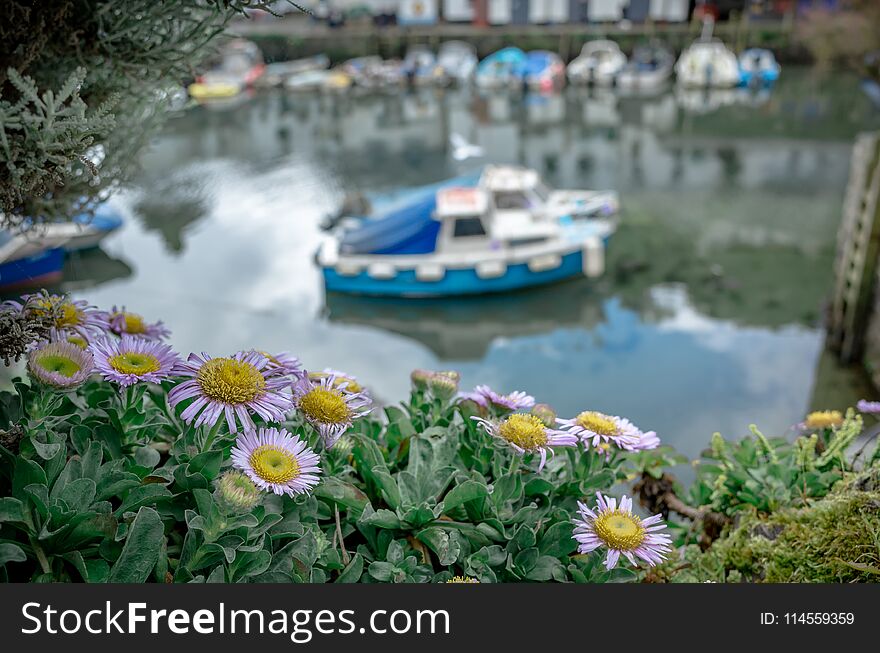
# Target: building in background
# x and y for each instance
(549, 12)
(459, 11)
(603, 11)
(417, 12)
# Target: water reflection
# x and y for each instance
(707, 318)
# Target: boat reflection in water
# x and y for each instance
(464, 328)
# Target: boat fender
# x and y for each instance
(382, 271)
(593, 255)
(344, 269)
(430, 272)
(545, 262)
(491, 269)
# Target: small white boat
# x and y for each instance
(708, 63)
(454, 244)
(649, 69)
(278, 73)
(458, 61)
(598, 63)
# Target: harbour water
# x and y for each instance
(708, 318)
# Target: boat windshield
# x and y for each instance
(542, 191)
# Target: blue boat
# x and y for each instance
(456, 242)
(27, 261)
(505, 68)
(758, 67)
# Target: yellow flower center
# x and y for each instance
(133, 362)
(619, 530)
(58, 364)
(67, 315)
(274, 464)
(325, 405)
(525, 431)
(350, 384)
(230, 381)
(79, 341)
(597, 423)
(134, 323)
(824, 419)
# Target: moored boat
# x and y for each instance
(458, 61)
(502, 69)
(708, 63)
(454, 243)
(240, 65)
(599, 62)
(648, 69)
(758, 67)
(544, 71)
(30, 259)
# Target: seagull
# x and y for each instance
(462, 150)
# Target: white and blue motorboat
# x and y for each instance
(758, 67)
(467, 241)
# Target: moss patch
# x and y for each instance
(834, 540)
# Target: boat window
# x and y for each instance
(468, 227)
(542, 191)
(507, 200)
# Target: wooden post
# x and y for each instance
(858, 251)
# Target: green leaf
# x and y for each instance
(538, 486)
(46, 451)
(146, 457)
(141, 550)
(557, 540)
(26, 472)
(207, 464)
(342, 493)
(143, 495)
(12, 510)
(381, 571)
(11, 553)
(79, 494)
(353, 571)
(468, 491)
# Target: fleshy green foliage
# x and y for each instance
(110, 486)
(765, 474)
(83, 86)
(834, 540)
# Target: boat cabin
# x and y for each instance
(514, 189)
(469, 222)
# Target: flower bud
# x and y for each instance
(235, 493)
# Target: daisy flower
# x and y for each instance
(232, 386)
(329, 406)
(646, 440)
(822, 419)
(486, 397)
(125, 322)
(620, 532)
(72, 318)
(285, 364)
(342, 381)
(276, 461)
(594, 428)
(60, 365)
(868, 407)
(133, 360)
(526, 433)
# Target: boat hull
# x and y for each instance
(455, 281)
(42, 268)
